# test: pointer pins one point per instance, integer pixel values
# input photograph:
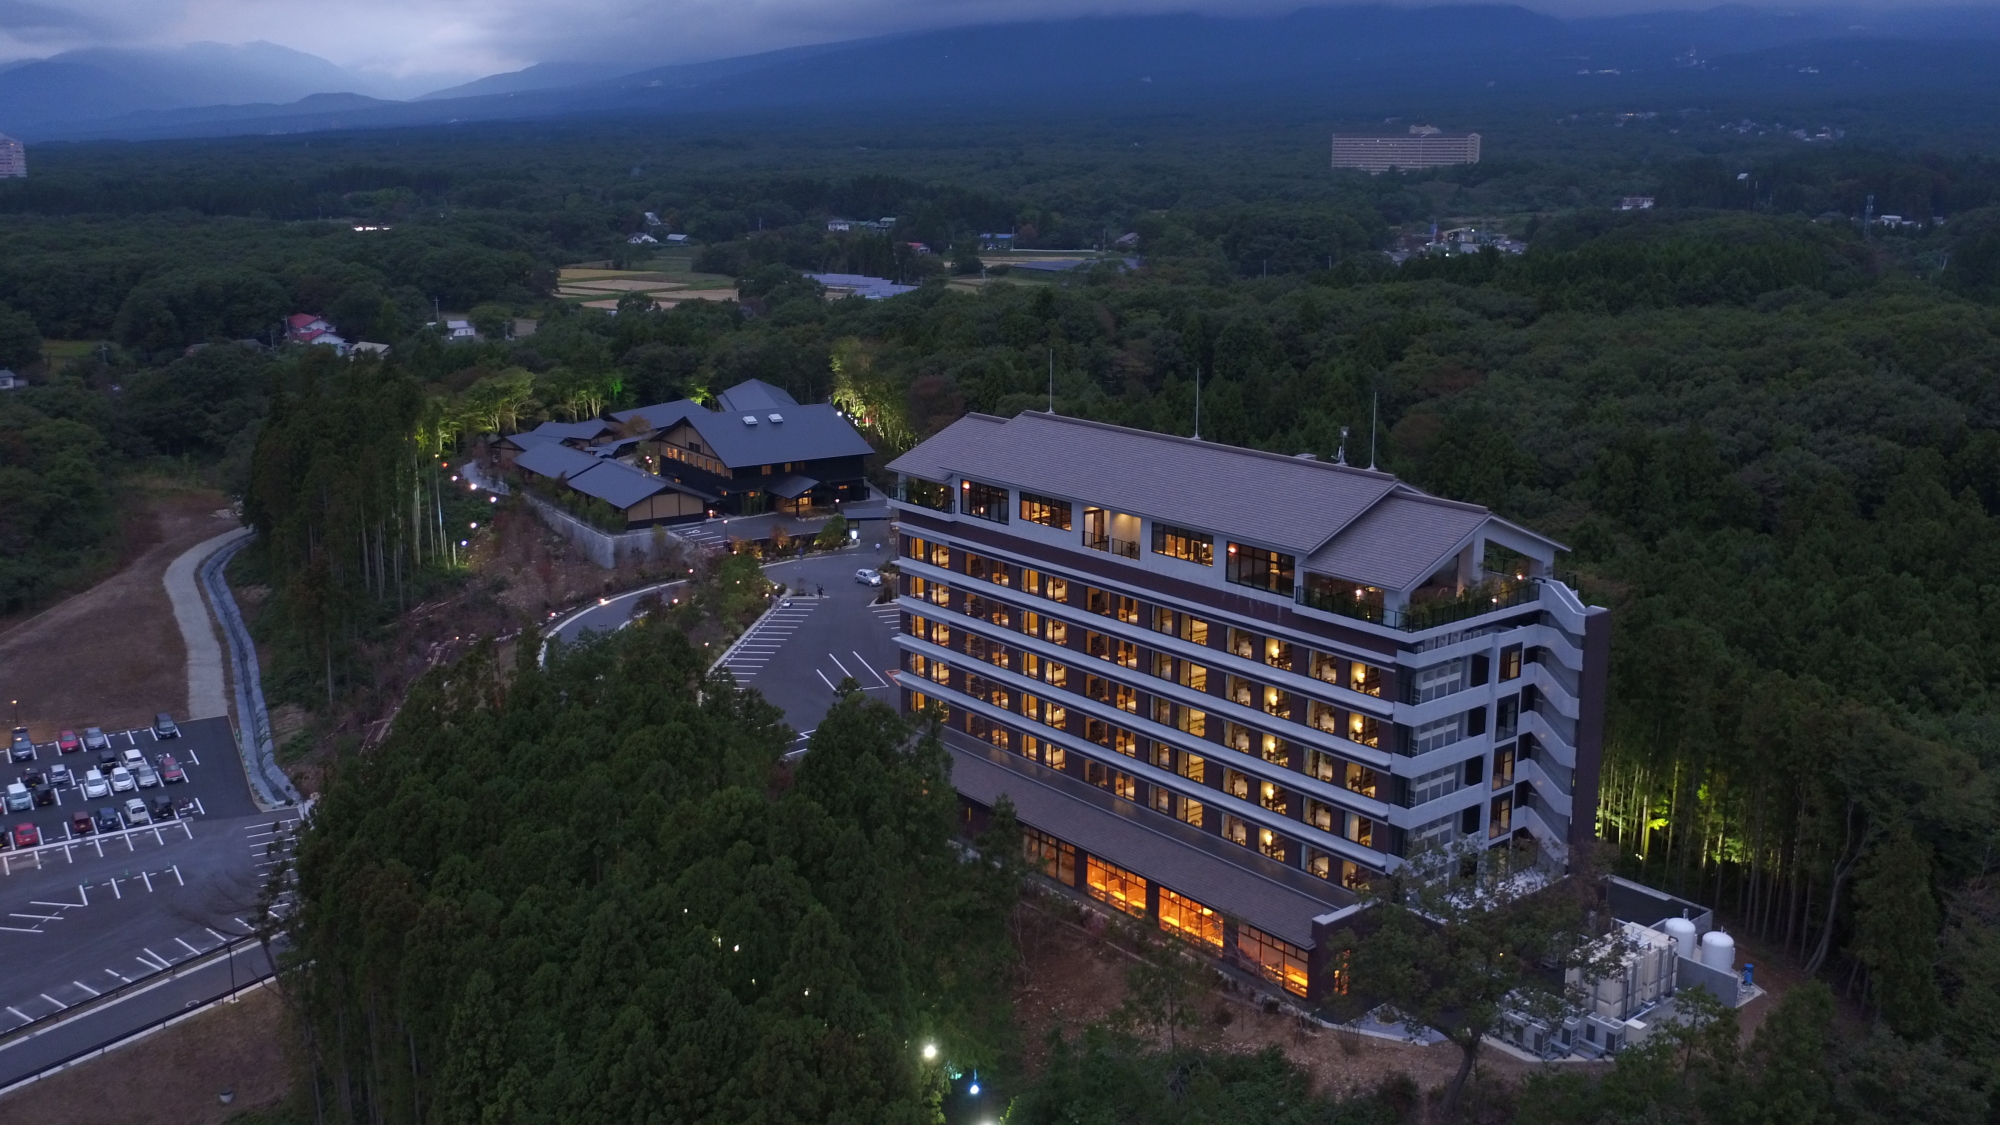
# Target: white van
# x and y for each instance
(18, 798)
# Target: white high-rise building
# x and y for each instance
(13, 157)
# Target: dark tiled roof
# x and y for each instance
(589, 429)
(1364, 524)
(662, 415)
(808, 433)
(1064, 808)
(791, 486)
(617, 484)
(554, 459)
(1399, 542)
(529, 440)
(753, 395)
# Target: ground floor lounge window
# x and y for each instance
(1184, 917)
(1278, 960)
(1115, 885)
(1049, 855)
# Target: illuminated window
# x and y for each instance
(1503, 767)
(1275, 702)
(1194, 629)
(1274, 845)
(1193, 766)
(1234, 830)
(1321, 816)
(1274, 798)
(1163, 620)
(1127, 609)
(1275, 750)
(1277, 653)
(1260, 569)
(1361, 830)
(1049, 855)
(1127, 699)
(1190, 811)
(1242, 644)
(1238, 691)
(1097, 644)
(1327, 667)
(1043, 751)
(1277, 960)
(1045, 511)
(1365, 678)
(1180, 543)
(1236, 736)
(1185, 918)
(1001, 737)
(1162, 666)
(1192, 721)
(1128, 655)
(1510, 662)
(1236, 783)
(1502, 818)
(1194, 676)
(1116, 886)
(1360, 779)
(983, 501)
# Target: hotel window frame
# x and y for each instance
(1241, 643)
(1503, 766)
(1193, 676)
(1189, 920)
(1044, 750)
(1321, 815)
(1112, 885)
(1236, 783)
(1273, 958)
(1438, 681)
(1272, 844)
(1191, 720)
(1235, 830)
(1192, 629)
(1052, 857)
(1046, 511)
(1274, 797)
(1279, 653)
(1183, 544)
(1507, 718)
(1260, 568)
(1510, 663)
(1437, 735)
(1435, 786)
(1500, 819)
(983, 501)
(1194, 767)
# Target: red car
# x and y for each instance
(68, 743)
(170, 770)
(27, 836)
(80, 824)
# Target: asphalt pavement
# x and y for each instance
(97, 915)
(799, 653)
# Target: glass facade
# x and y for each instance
(1279, 961)
(1185, 918)
(1116, 886)
(1049, 855)
(1045, 511)
(1180, 543)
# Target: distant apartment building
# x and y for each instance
(13, 158)
(1422, 147)
(1224, 688)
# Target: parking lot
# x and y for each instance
(85, 914)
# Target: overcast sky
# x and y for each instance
(451, 40)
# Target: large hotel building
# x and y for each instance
(1222, 688)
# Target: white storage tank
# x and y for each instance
(1718, 951)
(1686, 942)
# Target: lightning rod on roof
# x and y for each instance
(1340, 455)
(1374, 411)
(1197, 402)
(1052, 380)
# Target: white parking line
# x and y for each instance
(838, 664)
(186, 946)
(60, 1006)
(871, 671)
(119, 975)
(824, 680)
(24, 1016)
(164, 963)
(86, 988)
(38, 917)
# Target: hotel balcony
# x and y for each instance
(1428, 608)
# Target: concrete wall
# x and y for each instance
(603, 548)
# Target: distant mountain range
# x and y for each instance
(1355, 57)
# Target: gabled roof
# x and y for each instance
(784, 431)
(810, 432)
(616, 483)
(590, 429)
(1358, 524)
(662, 415)
(753, 395)
(1266, 499)
(529, 440)
(791, 486)
(1400, 541)
(554, 459)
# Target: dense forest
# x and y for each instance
(1770, 437)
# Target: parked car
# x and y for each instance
(106, 758)
(95, 739)
(147, 775)
(27, 836)
(68, 743)
(184, 807)
(107, 819)
(33, 778)
(95, 786)
(136, 814)
(131, 759)
(18, 797)
(163, 808)
(121, 780)
(45, 795)
(23, 748)
(163, 726)
(868, 577)
(59, 775)
(170, 770)
(80, 824)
